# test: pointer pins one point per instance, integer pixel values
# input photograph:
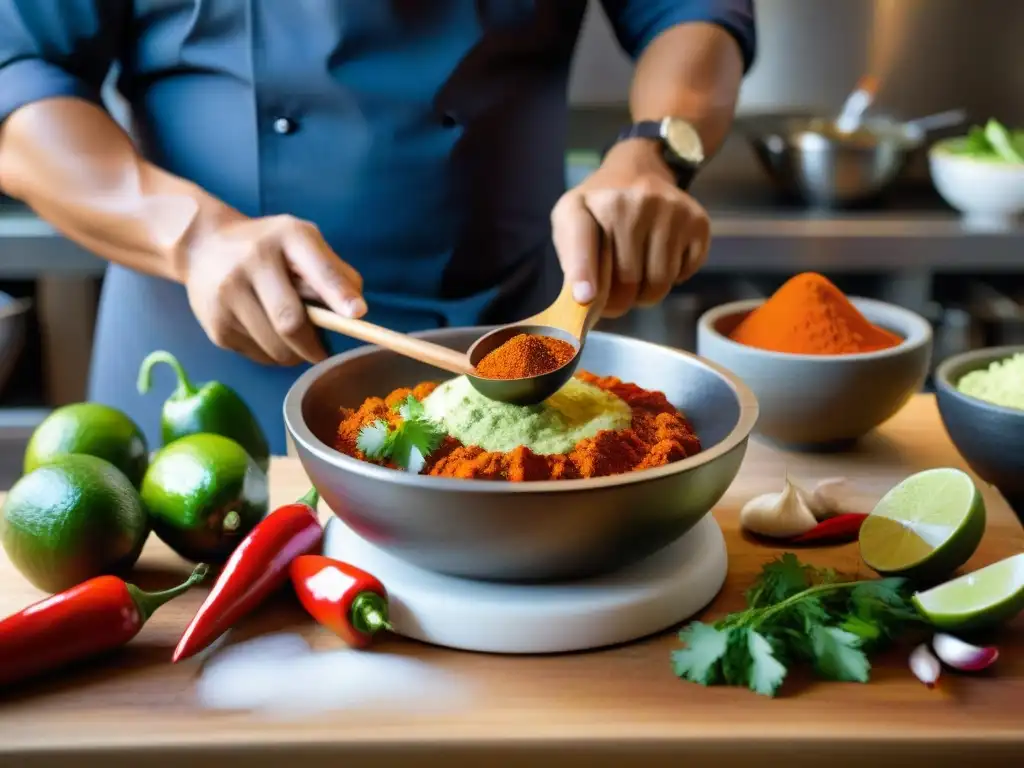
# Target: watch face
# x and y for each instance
(683, 139)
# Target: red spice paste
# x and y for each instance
(659, 434)
(525, 355)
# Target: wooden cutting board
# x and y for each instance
(614, 707)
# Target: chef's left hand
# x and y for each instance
(659, 234)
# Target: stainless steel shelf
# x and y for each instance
(750, 230)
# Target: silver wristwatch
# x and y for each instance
(680, 143)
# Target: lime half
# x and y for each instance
(926, 527)
(989, 596)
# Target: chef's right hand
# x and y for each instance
(243, 281)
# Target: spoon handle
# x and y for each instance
(946, 119)
(567, 313)
(407, 346)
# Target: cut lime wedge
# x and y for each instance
(989, 596)
(926, 527)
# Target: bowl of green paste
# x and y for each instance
(980, 396)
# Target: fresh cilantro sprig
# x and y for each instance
(795, 613)
(408, 444)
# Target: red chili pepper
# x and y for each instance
(834, 529)
(256, 568)
(98, 615)
(345, 599)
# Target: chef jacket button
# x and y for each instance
(285, 126)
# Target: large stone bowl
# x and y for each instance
(532, 531)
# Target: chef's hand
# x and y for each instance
(244, 280)
(659, 234)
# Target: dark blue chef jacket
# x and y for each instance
(425, 139)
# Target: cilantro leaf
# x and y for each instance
(413, 441)
(766, 672)
(838, 655)
(699, 661)
(867, 631)
(886, 591)
(736, 661)
(796, 612)
(882, 605)
(779, 579)
(410, 409)
(374, 440)
(749, 661)
(408, 444)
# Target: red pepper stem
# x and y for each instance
(370, 613)
(311, 499)
(149, 602)
(185, 386)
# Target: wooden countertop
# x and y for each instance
(613, 707)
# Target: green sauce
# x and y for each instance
(577, 411)
(1002, 383)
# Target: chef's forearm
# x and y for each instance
(692, 71)
(75, 167)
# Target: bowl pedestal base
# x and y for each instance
(650, 597)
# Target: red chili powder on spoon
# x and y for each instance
(525, 355)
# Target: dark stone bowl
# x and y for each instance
(989, 437)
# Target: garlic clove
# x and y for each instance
(778, 515)
(962, 656)
(838, 496)
(925, 666)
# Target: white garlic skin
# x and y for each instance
(838, 496)
(925, 666)
(778, 515)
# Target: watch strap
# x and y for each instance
(683, 171)
(645, 129)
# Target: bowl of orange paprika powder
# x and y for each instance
(826, 368)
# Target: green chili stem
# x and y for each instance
(311, 499)
(185, 386)
(370, 613)
(148, 602)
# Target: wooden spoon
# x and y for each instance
(565, 319)
(405, 345)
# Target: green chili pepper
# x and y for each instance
(212, 408)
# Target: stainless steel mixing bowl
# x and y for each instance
(534, 531)
(825, 168)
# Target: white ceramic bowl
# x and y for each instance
(989, 194)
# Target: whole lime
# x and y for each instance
(93, 429)
(71, 520)
(204, 493)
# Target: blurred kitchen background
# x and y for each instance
(905, 245)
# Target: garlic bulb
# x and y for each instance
(838, 496)
(778, 515)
